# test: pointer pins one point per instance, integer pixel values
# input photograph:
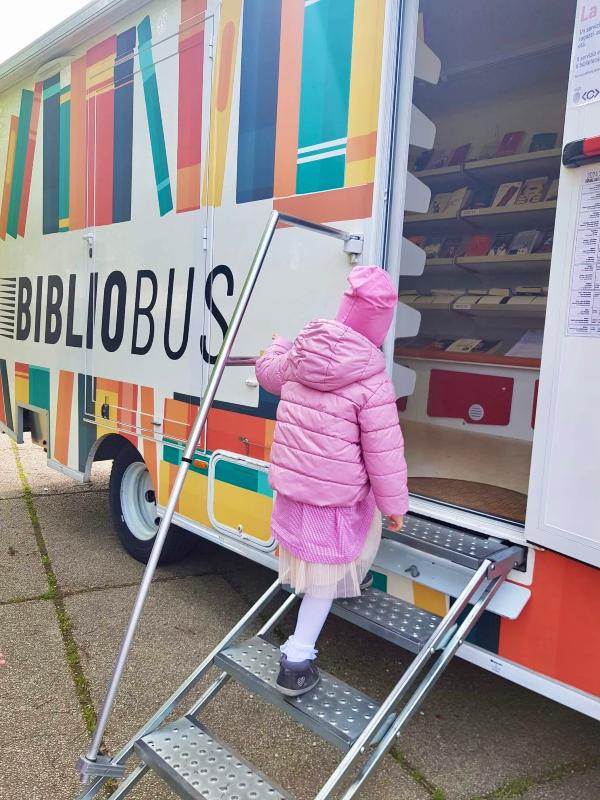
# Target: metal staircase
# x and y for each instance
(193, 760)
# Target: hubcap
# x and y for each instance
(138, 502)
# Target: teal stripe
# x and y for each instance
(64, 154)
(51, 91)
(19, 168)
(154, 117)
(325, 93)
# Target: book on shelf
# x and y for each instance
(532, 191)
(524, 242)
(449, 203)
(520, 290)
(459, 155)
(418, 240)
(452, 247)
(528, 346)
(545, 243)
(433, 246)
(439, 158)
(421, 162)
(479, 245)
(481, 197)
(542, 141)
(509, 144)
(474, 346)
(476, 290)
(488, 150)
(466, 302)
(506, 194)
(552, 191)
(446, 292)
(498, 291)
(490, 300)
(501, 244)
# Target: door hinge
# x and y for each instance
(205, 239)
(211, 50)
(88, 237)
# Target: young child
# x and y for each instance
(337, 461)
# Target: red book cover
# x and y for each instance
(459, 156)
(479, 245)
(509, 143)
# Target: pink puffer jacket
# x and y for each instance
(337, 427)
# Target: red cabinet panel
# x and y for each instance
(477, 399)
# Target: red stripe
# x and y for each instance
(591, 146)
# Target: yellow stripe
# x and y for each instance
(97, 72)
(194, 498)
(235, 506)
(429, 599)
(22, 389)
(365, 79)
(63, 223)
(214, 172)
(109, 425)
(65, 98)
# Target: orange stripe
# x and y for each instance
(361, 147)
(337, 205)
(288, 98)
(22, 370)
(63, 417)
(8, 174)
(226, 65)
(77, 156)
(557, 632)
(146, 420)
(127, 411)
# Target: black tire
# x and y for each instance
(178, 544)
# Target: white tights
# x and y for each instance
(311, 617)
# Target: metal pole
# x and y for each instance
(190, 449)
(424, 688)
(436, 639)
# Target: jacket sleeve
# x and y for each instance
(383, 450)
(269, 367)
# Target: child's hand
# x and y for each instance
(395, 522)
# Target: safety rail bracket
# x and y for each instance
(101, 767)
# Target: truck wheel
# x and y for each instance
(133, 510)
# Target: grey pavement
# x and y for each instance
(477, 737)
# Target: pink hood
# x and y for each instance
(328, 355)
(368, 304)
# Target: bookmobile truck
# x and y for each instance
(144, 147)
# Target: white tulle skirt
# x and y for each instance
(331, 580)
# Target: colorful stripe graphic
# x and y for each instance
(258, 100)
(39, 387)
(363, 114)
(288, 98)
(51, 142)
(77, 145)
(337, 205)
(229, 27)
(123, 122)
(21, 383)
(6, 416)
(101, 127)
(8, 174)
(86, 389)
(154, 116)
(62, 426)
(64, 158)
(33, 126)
(116, 408)
(18, 176)
(148, 432)
(191, 78)
(326, 63)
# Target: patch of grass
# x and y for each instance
(54, 594)
(520, 786)
(435, 792)
(14, 600)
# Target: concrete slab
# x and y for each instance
(22, 572)
(45, 480)
(85, 552)
(10, 483)
(41, 729)
(584, 786)
(476, 731)
(184, 619)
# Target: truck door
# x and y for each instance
(564, 501)
(148, 109)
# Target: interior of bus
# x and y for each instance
(493, 172)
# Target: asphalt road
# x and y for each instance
(66, 589)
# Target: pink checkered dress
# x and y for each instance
(326, 551)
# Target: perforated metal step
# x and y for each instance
(390, 618)
(335, 711)
(197, 765)
(453, 544)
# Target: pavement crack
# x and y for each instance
(435, 792)
(56, 596)
(518, 787)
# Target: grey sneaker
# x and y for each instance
(296, 677)
(366, 582)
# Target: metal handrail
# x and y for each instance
(187, 459)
